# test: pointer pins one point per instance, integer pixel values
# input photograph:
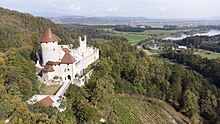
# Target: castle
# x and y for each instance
(63, 61)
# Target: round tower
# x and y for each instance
(49, 46)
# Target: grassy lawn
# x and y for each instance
(155, 53)
(208, 54)
(49, 90)
(136, 110)
(133, 37)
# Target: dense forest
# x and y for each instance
(208, 68)
(122, 69)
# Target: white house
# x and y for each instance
(64, 61)
(182, 47)
(179, 48)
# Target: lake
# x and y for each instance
(209, 33)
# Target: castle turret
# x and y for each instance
(82, 43)
(49, 46)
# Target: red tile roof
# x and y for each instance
(53, 63)
(66, 50)
(47, 101)
(48, 36)
(48, 68)
(67, 59)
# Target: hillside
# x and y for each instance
(137, 110)
(18, 29)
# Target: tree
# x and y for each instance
(190, 105)
(208, 105)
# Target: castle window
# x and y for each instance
(67, 64)
(46, 42)
(53, 42)
(53, 49)
(68, 69)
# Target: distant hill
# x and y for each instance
(98, 20)
(117, 20)
(108, 20)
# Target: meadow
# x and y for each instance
(135, 37)
(207, 54)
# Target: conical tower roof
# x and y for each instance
(48, 36)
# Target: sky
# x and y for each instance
(182, 9)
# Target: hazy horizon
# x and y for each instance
(157, 9)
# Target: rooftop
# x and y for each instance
(53, 63)
(48, 68)
(47, 101)
(66, 50)
(48, 36)
(67, 59)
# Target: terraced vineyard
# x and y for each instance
(127, 110)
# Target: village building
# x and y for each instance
(179, 48)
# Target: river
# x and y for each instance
(209, 33)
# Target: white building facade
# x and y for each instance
(63, 61)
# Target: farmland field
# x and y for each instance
(129, 110)
(135, 37)
(208, 54)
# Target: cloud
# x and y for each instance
(112, 9)
(73, 7)
(125, 9)
(96, 9)
(162, 9)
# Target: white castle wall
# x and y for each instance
(57, 70)
(50, 52)
(67, 70)
(48, 76)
